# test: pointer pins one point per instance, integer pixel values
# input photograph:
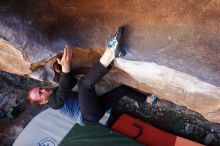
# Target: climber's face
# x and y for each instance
(40, 95)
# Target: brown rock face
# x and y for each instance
(12, 60)
(173, 47)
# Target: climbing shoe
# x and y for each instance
(115, 43)
(152, 99)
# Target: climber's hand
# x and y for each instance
(65, 61)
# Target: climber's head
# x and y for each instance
(38, 95)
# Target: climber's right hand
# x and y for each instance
(65, 61)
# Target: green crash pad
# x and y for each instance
(95, 135)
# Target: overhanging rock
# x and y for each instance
(173, 47)
(175, 86)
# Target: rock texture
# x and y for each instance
(10, 95)
(175, 86)
(173, 47)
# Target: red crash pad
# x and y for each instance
(147, 134)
